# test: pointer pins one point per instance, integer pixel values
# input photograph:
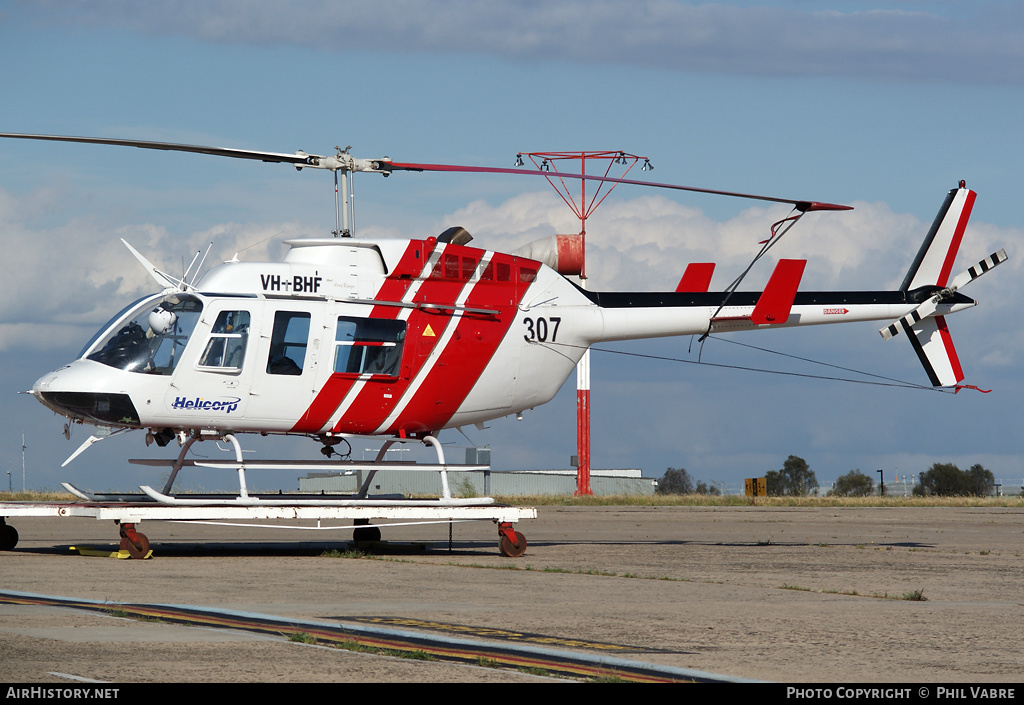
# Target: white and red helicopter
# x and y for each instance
(401, 338)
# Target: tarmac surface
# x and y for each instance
(774, 594)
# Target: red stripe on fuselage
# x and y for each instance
(471, 347)
(377, 398)
(453, 372)
(332, 395)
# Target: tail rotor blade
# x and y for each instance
(929, 307)
(982, 267)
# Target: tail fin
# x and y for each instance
(776, 301)
(935, 258)
(697, 277)
(927, 332)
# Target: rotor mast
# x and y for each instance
(341, 163)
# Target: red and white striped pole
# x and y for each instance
(583, 366)
(583, 425)
(548, 163)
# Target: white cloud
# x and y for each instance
(645, 243)
(979, 42)
(66, 273)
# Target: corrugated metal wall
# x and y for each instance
(478, 483)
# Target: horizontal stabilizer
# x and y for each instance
(776, 301)
(697, 277)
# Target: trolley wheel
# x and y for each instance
(512, 550)
(138, 548)
(366, 534)
(8, 537)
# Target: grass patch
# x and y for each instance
(355, 646)
(348, 553)
(121, 613)
(41, 496)
(699, 500)
(609, 679)
(912, 596)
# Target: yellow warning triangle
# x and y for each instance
(429, 332)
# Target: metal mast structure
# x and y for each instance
(610, 161)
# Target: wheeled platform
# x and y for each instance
(364, 510)
(367, 515)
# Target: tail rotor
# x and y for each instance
(928, 282)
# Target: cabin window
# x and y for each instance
(496, 271)
(368, 346)
(450, 266)
(468, 268)
(288, 343)
(225, 351)
(153, 336)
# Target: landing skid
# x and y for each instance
(342, 467)
(148, 494)
(318, 501)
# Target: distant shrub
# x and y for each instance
(853, 484)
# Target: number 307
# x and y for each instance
(541, 328)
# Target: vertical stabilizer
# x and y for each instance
(935, 258)
(934, 347)
(931, 268)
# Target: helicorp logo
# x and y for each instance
(222, 405)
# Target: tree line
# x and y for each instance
(796, 479)
(941, 479)
(678, 481)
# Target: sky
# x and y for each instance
(880, 105)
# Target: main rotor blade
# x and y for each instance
(803, 206)
(298, 158)
(342, 161)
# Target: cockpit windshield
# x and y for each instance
(151, 337)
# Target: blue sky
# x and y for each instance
(882, 105)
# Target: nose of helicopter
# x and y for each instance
(78, 392)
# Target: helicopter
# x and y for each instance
(402, 338)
